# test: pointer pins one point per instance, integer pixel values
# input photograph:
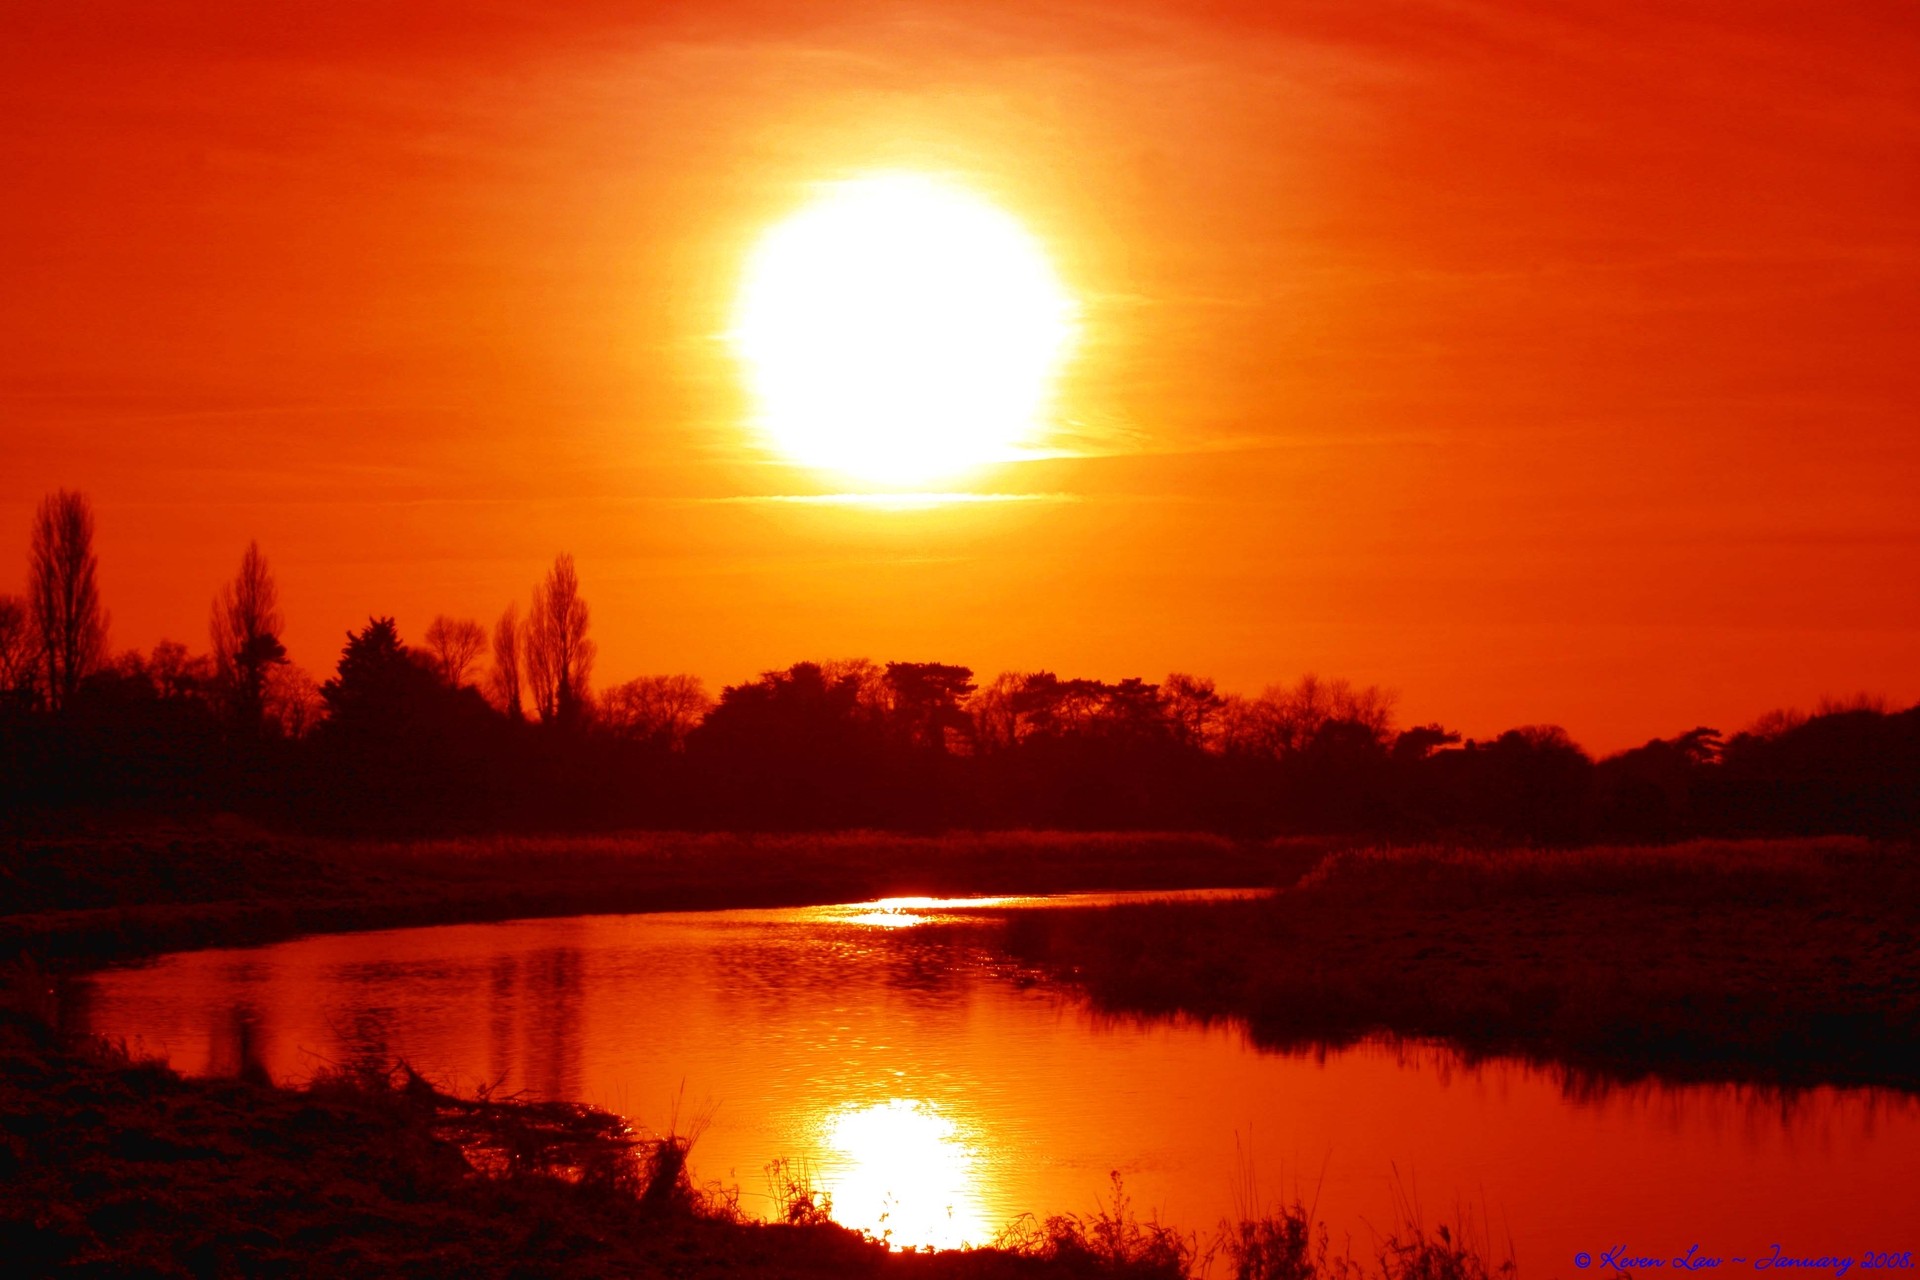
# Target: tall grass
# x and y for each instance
(1111, 1240)
(1280, 1242)
(797, 1199)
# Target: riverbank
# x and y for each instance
(1792, 962)
(81, 902)
(113, 1166)
(1788, 961)
(117, 1167)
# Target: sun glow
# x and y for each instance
(900, 330)
(905, 1170)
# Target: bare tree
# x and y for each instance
(245, 626)
(1286, 719)
(507, 669)
(19, 648)
(65, 593)
(660, 709)
(559, 656)
(536, 661)
(292, 702)
(453, 646)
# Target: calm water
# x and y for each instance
(935, 1097)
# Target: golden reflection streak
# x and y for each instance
(904, 1171)
(904, 913)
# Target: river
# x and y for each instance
(936, 1096)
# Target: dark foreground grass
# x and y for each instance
(98, 899)
(1780, 961)
(116, 1167)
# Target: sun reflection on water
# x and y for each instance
(906, 1171)
(893, 913)
(905, 912)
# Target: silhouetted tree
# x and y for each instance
(19, 651)
(1530, 783)
(400, 740)
(1046, 706)
(454, 645)
(1851, 766)
(178, 674)
(1337, 780)
(1133, 710)
(996, 724)
(293, 707)
(1647, 793)
(792, 748)
(65, 596)
(1192, 708)
(398, 747)
(926, 700)
(1416, 744)
(661, 710)
(559, 656)
(1297, 715)
(245, 627)
(376, 684)
(506, 677)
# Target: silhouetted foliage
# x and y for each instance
(1850, 768)
(792, 748)
(400, 738)
(398, 746)
(926, 703)
(1529, 784)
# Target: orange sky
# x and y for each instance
(1542, 361)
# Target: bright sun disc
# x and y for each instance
(899, 330)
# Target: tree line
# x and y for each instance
(480, 728)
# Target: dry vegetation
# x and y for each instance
(116, 1167)
(113, 1166)
(1795, 961)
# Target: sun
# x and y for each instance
(899, 330)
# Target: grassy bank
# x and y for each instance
(115, 1167)
(110, 1166)
(98, 899)
(1789, 961)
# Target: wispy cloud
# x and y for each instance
(889, 501)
